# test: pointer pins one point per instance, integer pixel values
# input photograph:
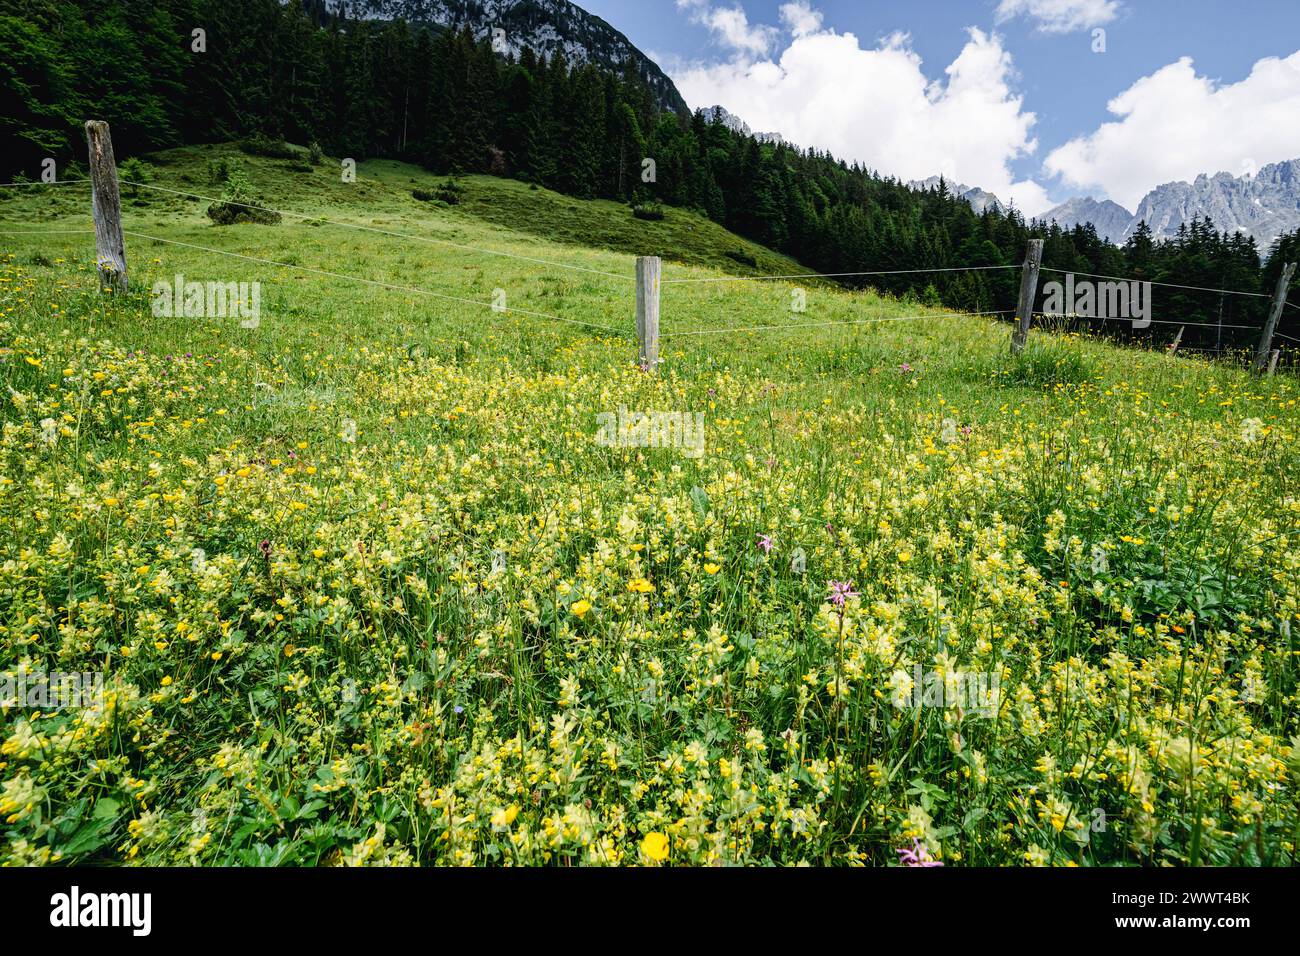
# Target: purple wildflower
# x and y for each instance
(841, 591)
(917, 855)
(765, 542)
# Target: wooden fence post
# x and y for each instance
(106, 205)
(1178, 339)
(647, 311)
(1265, 346)
(1028, 293)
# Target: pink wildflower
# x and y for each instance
(917, 855)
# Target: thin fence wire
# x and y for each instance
(1171, 322)
(817, 325)
(895, 272)
(387, 232)
(371, 282)
(1167, 285)
(1190, 325)
(832, 275)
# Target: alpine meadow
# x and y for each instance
(478, 458)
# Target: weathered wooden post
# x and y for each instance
(1028, 293)
(647, 311)
(1265, 346)
(1178, 339)
(106, 203)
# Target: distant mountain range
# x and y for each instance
(720, 114)
(1263, 206)
(547, 26)
(978, 198)
(1111, 220)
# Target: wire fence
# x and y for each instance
(1166, 285)
(1178, 322)
(835, 275)
(624, 277)
(816, 325)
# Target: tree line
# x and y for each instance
(171, 72)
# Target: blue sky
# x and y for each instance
(1196, 96)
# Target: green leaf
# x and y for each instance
(87, 838)
(700, 498)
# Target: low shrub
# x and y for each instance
(450, 192)
(650, 212)
(134, 171)
(261, 145)
(239, 204)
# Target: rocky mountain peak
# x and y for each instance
(547, 26)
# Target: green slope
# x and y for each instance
(385, 187)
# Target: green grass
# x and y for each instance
(365, 588)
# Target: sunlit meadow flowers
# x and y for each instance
(347, 615)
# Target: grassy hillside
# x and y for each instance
(365, 587)
(382, 195)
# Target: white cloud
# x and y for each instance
(1175, 125)
(732, 27)
(1061, 16)
(800, 18)
(877, 106)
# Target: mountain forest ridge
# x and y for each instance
(546, 27)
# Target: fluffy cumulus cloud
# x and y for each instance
(800, 18)
(1175, 125)
(875, 105)
(731, 26)
(1061, 16)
